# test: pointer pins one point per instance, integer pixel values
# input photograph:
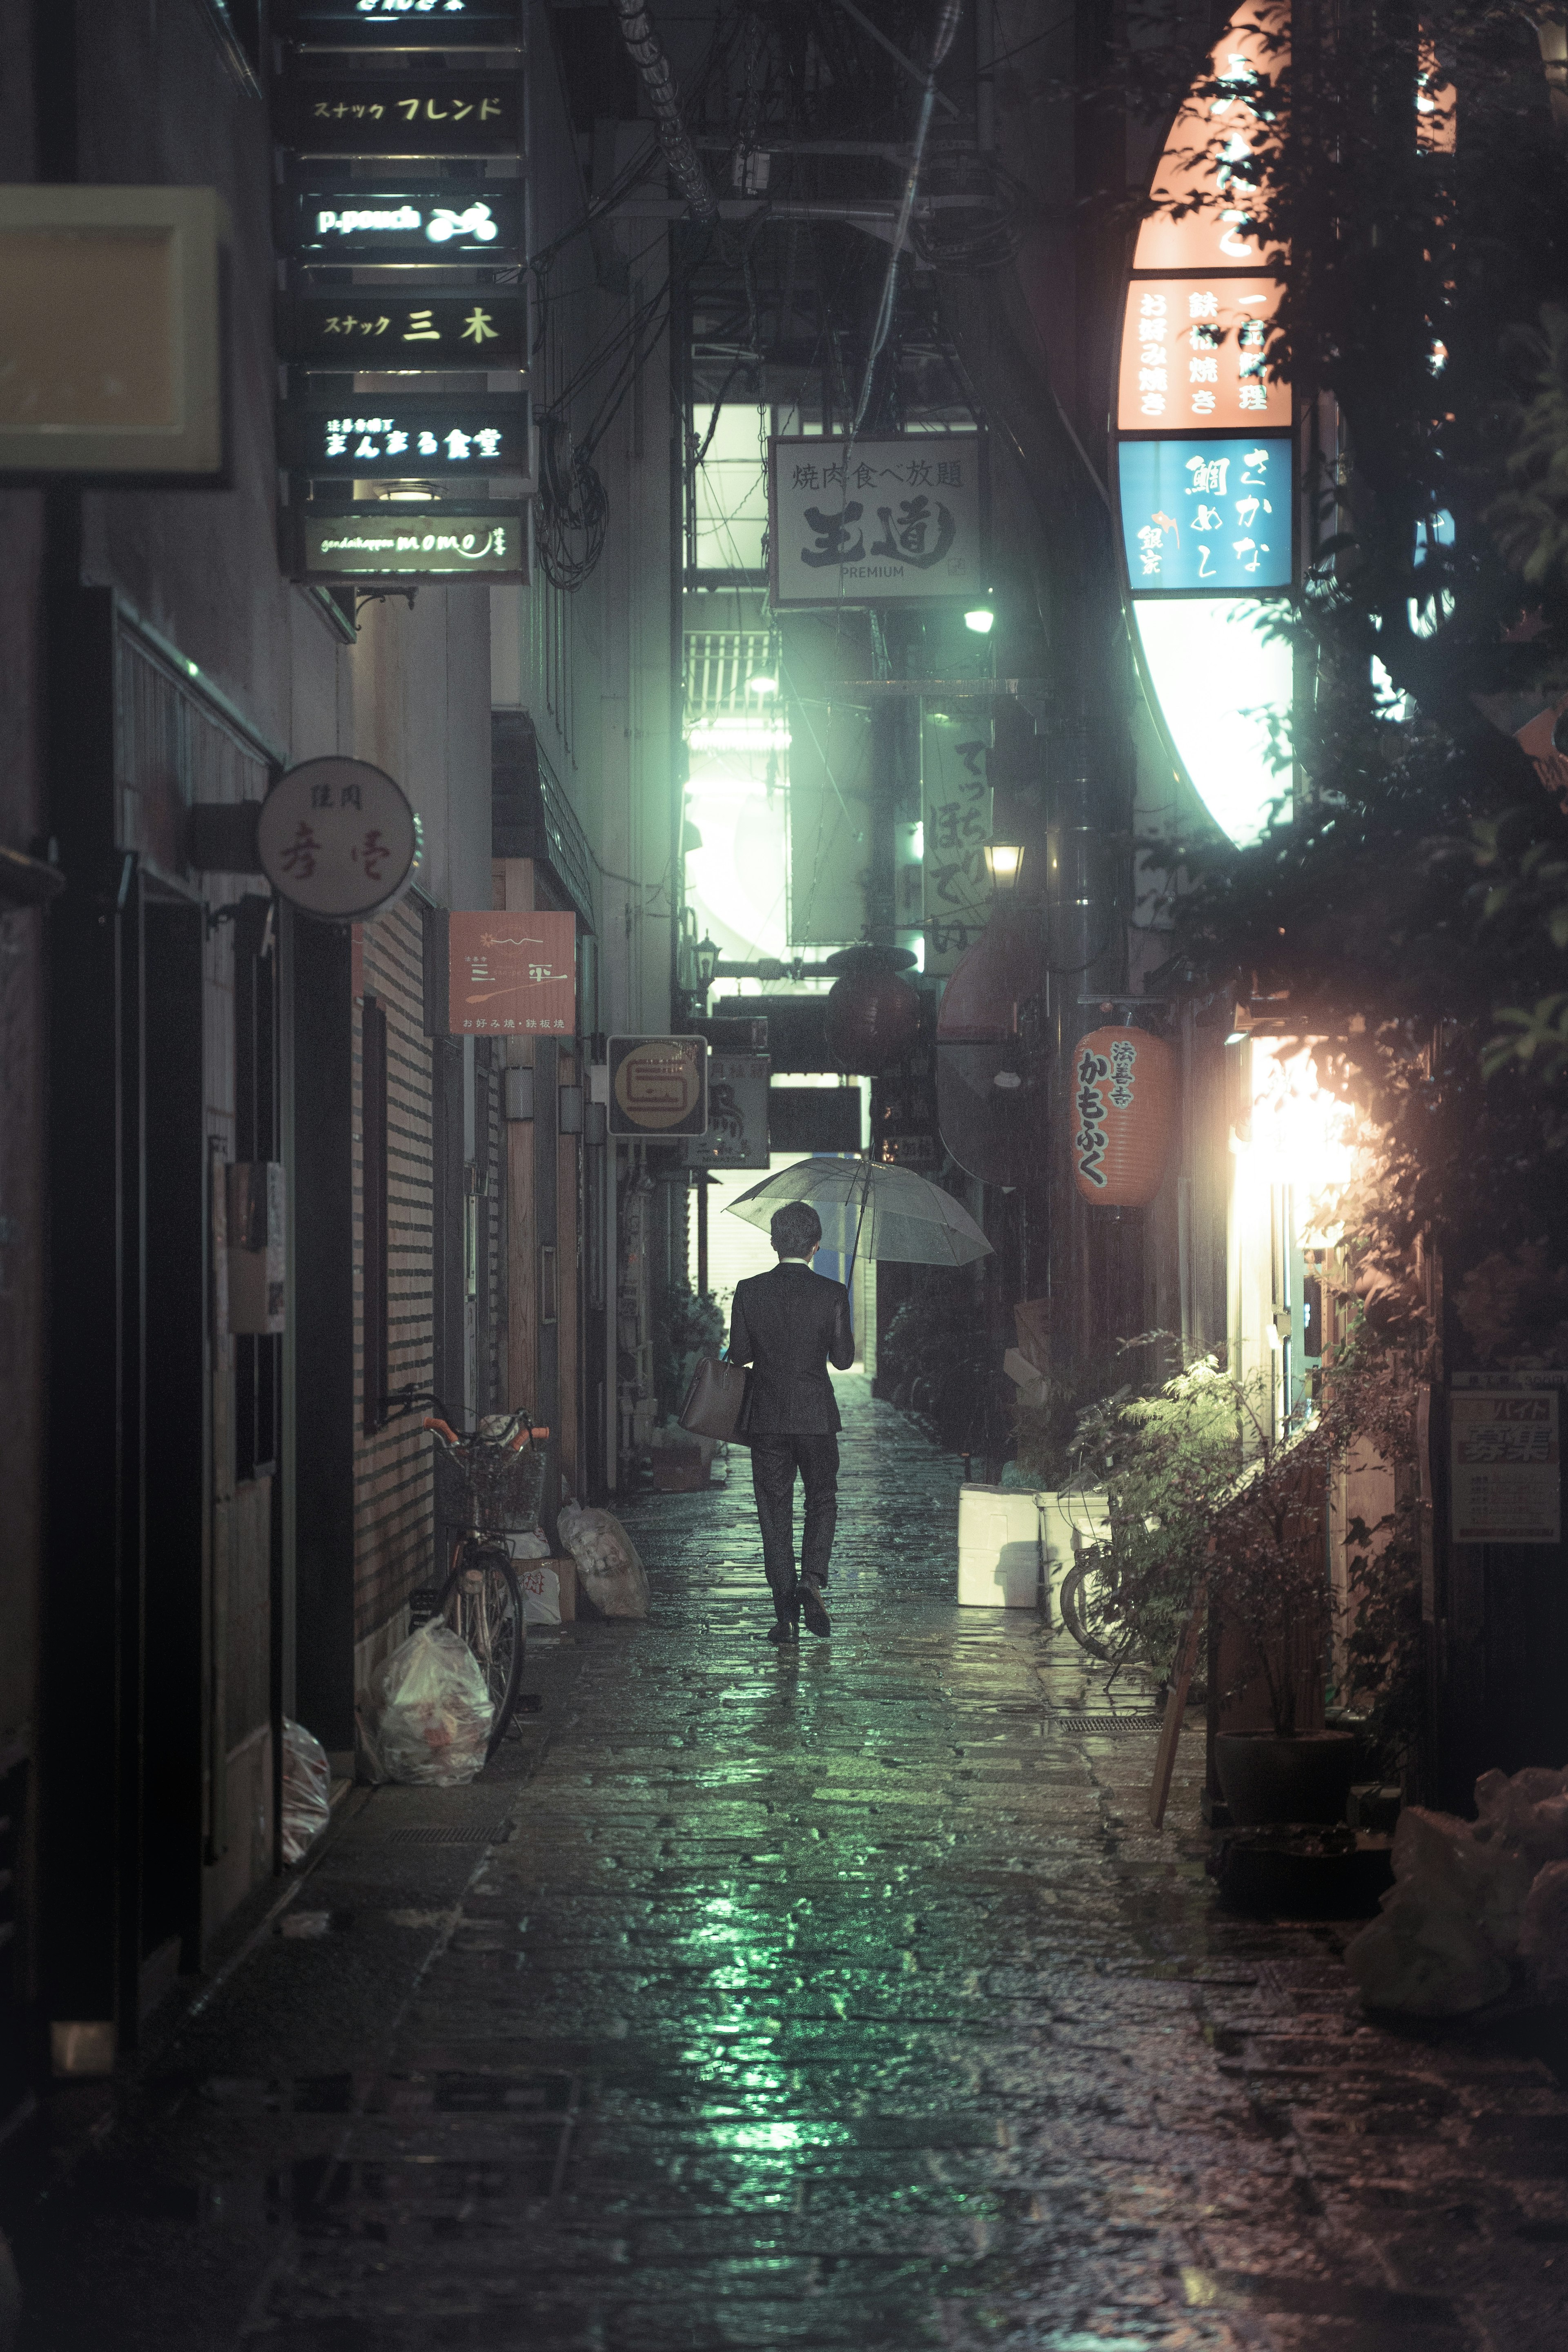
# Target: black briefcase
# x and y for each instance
(715, 1399)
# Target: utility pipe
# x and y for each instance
(658, 80)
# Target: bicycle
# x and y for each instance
(503, 1470)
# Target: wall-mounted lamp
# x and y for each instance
(707, 952)
(981, 619)
(1004, 863)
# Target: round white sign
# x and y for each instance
(337, 838)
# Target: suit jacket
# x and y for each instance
(790, 1325)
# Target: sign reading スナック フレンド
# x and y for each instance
(337, 838)
(401, 114)
(657, 1086)
(737, 1134)
(1504, 1466)
(1209, 515)
(356, 328)
(875, 523)
(511, 975)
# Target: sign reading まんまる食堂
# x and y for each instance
(337, 838)
(511, 975)
(875, 523)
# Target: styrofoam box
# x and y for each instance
(998, 1548)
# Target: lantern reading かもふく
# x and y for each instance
(1123, 1101)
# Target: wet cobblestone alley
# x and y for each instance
(830, 1998)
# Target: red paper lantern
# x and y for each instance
(1124, 1104)
(873, 1019)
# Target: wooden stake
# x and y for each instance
(1175, 1709)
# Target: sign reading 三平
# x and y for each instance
(956, 825)
(875, 523)
(401, 114)
(427, 542)
(658, 1087)
(511, 975)
(349, 328)
(337, 838)
(1504, 1467)
(390, 437)
(737, 1132)
(436, 221)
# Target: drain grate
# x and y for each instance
(1111, 1725)
(452, 1832)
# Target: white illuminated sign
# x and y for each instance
(475, 222)
(875, 523)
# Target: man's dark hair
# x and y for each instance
(795, 1230)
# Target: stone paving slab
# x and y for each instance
(817, 1999)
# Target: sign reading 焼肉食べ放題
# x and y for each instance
(383, 541)
(337, 838)
(875, 523)
(511, 975)
(1209, 513)
(437, 222)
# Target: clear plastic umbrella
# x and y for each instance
(888, 1213)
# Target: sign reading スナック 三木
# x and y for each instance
(875, 523)
(429, 543)
(401, 114)
(511, 975)
(1505, 1471)
(737, 1134)
(337, 838)
(381, 329)
(657, 1086)
(1194, 354)
(446, 221)
(387, 436)
(1208, 515)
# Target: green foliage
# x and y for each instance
(688, 1325)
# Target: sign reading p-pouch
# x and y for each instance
(659, 1087)
(338, 839)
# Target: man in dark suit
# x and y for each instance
(790, 1325)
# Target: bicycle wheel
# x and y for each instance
(482, 1602)
(1072, 1599)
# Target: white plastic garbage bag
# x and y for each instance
(613, 1577)
(1544, 1931)
(307, 1790)
(431, 1711)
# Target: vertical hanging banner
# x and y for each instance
(511, 975)
(955, 797)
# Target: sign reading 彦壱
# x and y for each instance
(875, 523)
(1210, 513)
(338, 839)
(511, 975)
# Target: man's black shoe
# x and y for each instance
(783, 1633)
(815, 1615)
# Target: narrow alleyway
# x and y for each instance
(832, 1999)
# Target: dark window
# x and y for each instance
(372, 1097)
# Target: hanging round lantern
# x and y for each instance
(873, 1015)
(1124, 1104)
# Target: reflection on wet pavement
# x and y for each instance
(837, 1999)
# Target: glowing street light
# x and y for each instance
(981, 619)
(1004, 863)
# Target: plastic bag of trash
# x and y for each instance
(1449, 1922)
(431, 1713)
(1528, 1812)
(1544, 1931)
(529, 1547)
(613, 1577)
(307, 1790)
(540, 1588)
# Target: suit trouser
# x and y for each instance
(774, 1461)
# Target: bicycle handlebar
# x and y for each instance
(523, 1436)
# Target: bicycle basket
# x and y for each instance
(502, 1488)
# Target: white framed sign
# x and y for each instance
(338, 839)
(1504, 1466)
(890, 521)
